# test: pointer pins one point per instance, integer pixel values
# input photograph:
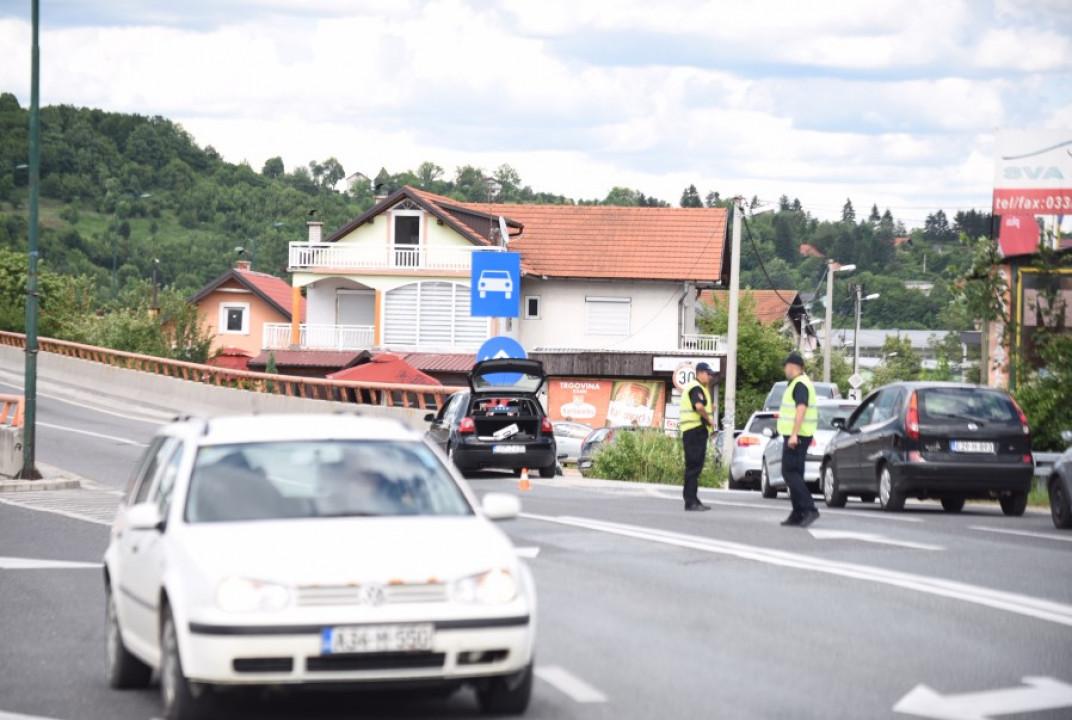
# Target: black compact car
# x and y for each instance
(931, 440)
(1059, 485)
(499, 422)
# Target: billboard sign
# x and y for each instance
(1033, 189)
(598, 402)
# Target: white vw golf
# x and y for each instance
(281, 550)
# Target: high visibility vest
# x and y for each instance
(689, 418)
(787, 416)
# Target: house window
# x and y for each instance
(234, 318)
(432, 314)
(406, 238)
(532, 307)
(607, 315)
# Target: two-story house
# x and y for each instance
(607, 292)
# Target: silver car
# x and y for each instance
(747, 457)
(771, 480)
(568, 439)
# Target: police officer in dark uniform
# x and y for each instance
(695, 424)
(798, 420)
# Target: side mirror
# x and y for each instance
(768, 432)
(838, 423)
(1066, 435)
(430, 417)
(500, 506)
(145, 516)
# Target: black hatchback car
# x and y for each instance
(499, 422)
(931, 440)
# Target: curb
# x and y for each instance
(16, 486)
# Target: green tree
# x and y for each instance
(690, 198)
(623, 196)
(273, 168)
(761, 350)
(848, 213)
(900, 362)
(1046, 393)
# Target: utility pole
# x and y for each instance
(728, 421)
(29, 469)
(856, 331)
(828, 331)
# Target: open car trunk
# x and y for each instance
(514, 419)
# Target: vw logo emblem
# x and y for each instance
(972, 426)
(371, 595)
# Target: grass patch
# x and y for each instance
(651, 456)
(1039, 496)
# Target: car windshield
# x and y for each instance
(970, 404)
(827, 413)
(763, 422)
(331, 478)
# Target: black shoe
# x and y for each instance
(808, 518)
(793, 520)
(696, 507)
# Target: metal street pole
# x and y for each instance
(29, 469)
(828, 331)
(728, 421)
(856, 332)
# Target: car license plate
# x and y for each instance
(376, 639)
(971, 446)
(508, 449)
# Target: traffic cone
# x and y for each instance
(523, 484)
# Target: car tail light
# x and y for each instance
(466, 426)
(746, 440)
(1028, 460)
(1023, 417)
(912, 417)
(545, 426)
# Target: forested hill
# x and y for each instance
(132, 190)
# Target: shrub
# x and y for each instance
(650, 456)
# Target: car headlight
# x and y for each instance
(495, 587)
(240, 595)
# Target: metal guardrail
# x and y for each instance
(424, 397)
(1044, 462)
(11, 410)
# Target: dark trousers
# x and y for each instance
(695, 443)
(793, 471)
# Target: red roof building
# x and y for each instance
(385, 368)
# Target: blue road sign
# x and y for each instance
(495, 284)
(497, 348)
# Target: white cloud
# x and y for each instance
(886, 101)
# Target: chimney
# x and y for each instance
(315, 230)
(243, 265)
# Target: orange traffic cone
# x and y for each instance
(523, 484)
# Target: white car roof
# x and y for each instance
(231, 429)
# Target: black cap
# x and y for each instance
(704, 367)
(794, 358)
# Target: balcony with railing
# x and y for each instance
(702, 343)
(356, 258)
(319, 337)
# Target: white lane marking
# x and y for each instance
(102, 436)
(823, 534)
(1037, 693)
(1022, 533)
(16, 563)
(54, 511)
(1038, 608)
(18, 716)
(529, 553)
(161, 420)
(569, 684)
(867, 514)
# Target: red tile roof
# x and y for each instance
(332, 359)
(769, 308)
(810, 251)
(385, 367)
(586, 241)
(441, 362)
(275, 291)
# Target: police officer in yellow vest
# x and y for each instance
(798, 419)
(694, 423)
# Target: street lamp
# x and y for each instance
(860, 300)
(831, 268)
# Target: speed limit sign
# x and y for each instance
(684, 374)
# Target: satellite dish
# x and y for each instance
(503, 232)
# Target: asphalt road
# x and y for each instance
(645, 611)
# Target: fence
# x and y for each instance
(422, 397)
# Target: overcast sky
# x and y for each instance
(887, 102)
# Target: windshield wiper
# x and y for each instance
(351, 514)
